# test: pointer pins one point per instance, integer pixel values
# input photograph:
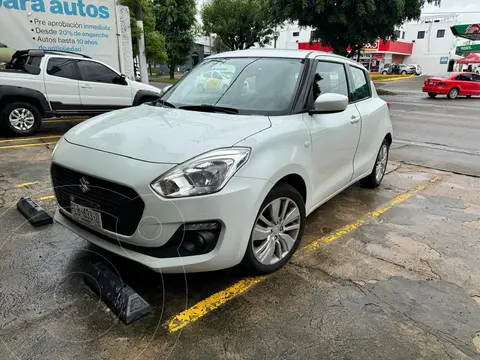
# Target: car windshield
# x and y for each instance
(250, 86)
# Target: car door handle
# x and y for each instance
(355, 119)
(85, 86)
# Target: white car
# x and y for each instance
(38, 84)
(205, 180)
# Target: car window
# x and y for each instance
(361, 83)
(216, 75)
(62, 67)
(476, 77)
(329, 78)
(464, 77)
(95, 72)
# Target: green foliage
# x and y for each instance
(175, 19)
(219, 46)
(238, 23)
(154, 40)
(339, 23)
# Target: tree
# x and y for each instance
(154, 40)
(340, 23)
(176, 21)
(238, 23)
(219, 46)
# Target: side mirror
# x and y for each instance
(123, 79)
(329, 103)
(165, 89)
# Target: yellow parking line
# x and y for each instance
(26, 184)
(27, 145)
(211, 303)
(31, 138)
(46, 198)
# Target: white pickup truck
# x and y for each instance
(38, 84)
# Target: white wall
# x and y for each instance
(428, 51)
(287, 40)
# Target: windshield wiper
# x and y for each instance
(165, 103)
(210, 108)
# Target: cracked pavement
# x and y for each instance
(403, 285)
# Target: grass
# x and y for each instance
(377, 77)
(384, 92)
(163, 79)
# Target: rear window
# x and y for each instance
(444, 75)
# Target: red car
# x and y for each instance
(453, 84)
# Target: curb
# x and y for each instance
(394, 78)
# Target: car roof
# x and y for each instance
(281, 53)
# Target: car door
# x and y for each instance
(101, 88)
(466, 84)
(372, 111)
(476, 81)
(62, 85)
(334, 136)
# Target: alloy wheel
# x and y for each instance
(276, 231)
(381, 164)
(21, 119)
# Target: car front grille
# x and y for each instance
(120, 206)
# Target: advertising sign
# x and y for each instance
(469, 31)
(444, 60)
(83, 26)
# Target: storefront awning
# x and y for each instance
(468, 31)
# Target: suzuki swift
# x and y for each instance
(206, 179)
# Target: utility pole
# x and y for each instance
(142, 59)
(276, 34)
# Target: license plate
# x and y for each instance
(431, 83)
(85, 214)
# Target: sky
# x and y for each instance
(469, 9)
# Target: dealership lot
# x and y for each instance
(391, 273)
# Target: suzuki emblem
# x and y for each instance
(84, 184)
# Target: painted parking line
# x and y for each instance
(48, 197)
(30, 138)
(27, 145)
(26, 184)
(214, 301)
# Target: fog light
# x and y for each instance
(211, 225)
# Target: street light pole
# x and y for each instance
(276, 34)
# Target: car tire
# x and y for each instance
(453, 93)
(432, 95)
(403, 72)
(374, 179)
(20, 119)
(384, 72)
(277, 247)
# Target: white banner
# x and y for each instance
(84, 26)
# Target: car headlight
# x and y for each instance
(204, 174)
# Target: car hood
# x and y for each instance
(164, 135)
(136, 86)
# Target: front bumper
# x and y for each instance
(235, 208)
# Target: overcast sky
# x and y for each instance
(458, 6)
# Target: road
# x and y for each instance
(439, 133)
(391, 273)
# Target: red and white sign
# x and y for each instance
(372, 47)
(473, 29)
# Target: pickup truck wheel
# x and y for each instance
(20, 118)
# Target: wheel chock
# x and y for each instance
(124, 302)
(33, 212)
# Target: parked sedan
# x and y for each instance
(206, 180)
(453, 85)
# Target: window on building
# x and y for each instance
(397, 34)
(403, 34)
(421, 35)
(296, 33)
(440, 33)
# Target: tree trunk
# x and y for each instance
(150, 68)
(172, 71)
